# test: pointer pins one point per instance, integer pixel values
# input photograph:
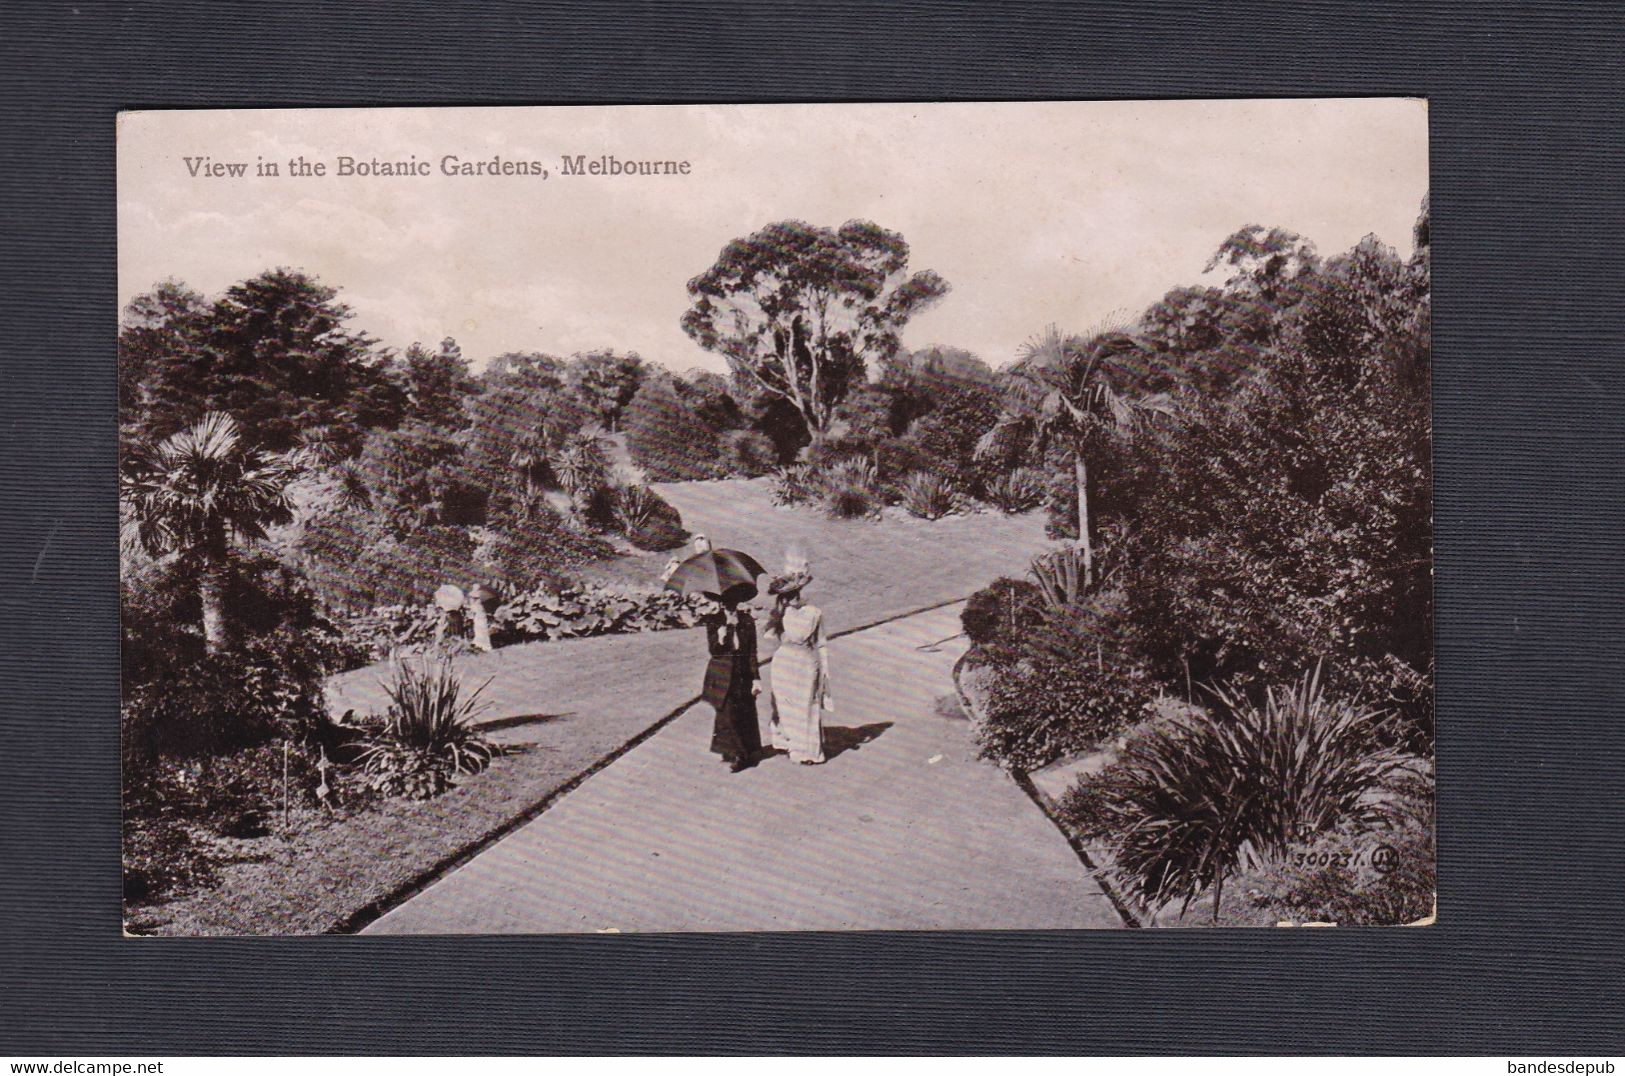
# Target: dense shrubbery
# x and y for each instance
(748, 453)
(543, 550)
(182, 702)
(646, 519)
(354, 563)
(960, 415)
(1041, 709)
(1065, 678)
(174, 810)
(667, 440)
(997, 617)
(1271, 515)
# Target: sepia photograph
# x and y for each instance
(812, 517)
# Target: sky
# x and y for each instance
(1072, 213)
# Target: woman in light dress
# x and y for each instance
(800, 670)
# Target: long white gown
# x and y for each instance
(800, 679)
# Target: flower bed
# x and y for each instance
(567, 613)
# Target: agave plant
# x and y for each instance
(635, 508)
(1021, 490)
(927, 495)
(1239, 786)
(795, 484)
(1062, 577)
(427, 736)
(850, 489)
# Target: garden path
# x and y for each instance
(903, 828)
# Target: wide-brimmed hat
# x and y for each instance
(789, 583)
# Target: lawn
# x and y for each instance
(863, 570)
(563, 707)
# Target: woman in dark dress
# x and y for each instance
(732, 682)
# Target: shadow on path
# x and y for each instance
(500, 723)
(840, 739)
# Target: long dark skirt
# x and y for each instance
(737, 735)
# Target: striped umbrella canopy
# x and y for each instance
(726, 575)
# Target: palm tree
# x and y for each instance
(581, 467)
(1062, 392)
(193, 493)
(528, 470)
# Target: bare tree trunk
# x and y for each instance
(211, 588)
(816, 428)
(1080, 472)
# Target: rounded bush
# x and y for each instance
(749, 453)
(647, 519)
(1001, 613)
(667, 440)
(1039, 711)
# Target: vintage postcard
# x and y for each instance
(776, 518)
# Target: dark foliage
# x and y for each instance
(1043, 708)
(646, 519)
(960, 414)
(437, 382)
(777, 419)
(1000, 615)
(606, 381)
(667, 440)
(543, 550)
(748, 453)
(415, 476)
(275, 352)
(354, 564)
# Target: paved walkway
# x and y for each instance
(903, 828)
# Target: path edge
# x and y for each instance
(1099, 876)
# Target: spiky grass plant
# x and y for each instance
(427, 736)
(1021, 490)
(1062, 576)
(851, 488)
(926, 495)
(1237, 787)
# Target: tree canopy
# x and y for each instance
(799, 310)
(275, 352)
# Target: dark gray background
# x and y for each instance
(1527, 205)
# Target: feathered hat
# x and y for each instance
(797, 574)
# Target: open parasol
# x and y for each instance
(724, 574)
